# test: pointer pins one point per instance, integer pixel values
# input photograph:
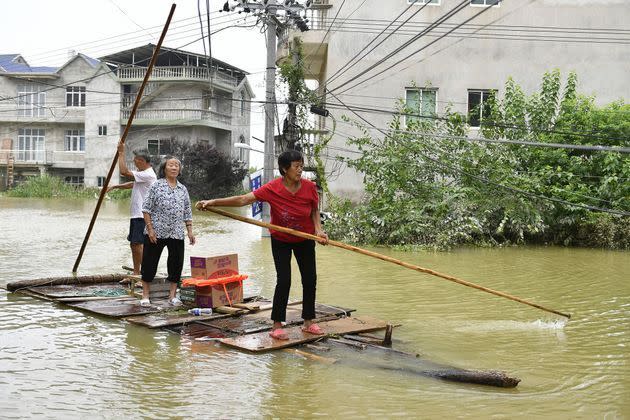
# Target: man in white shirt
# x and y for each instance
(143, 178)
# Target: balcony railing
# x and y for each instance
(59, 158)
(177, 114)
(176, 73)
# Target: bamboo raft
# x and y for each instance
(245, 326)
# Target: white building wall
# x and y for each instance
(103, 108)
(455, 64)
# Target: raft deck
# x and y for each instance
(244, 326)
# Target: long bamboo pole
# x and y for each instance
(384, 258)
(122, 139)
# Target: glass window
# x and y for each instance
(75, 96)
(100, 181)
(157, 147)
(243, 104)
(485, 2)
(424, 1)
(31, 100)
(420, 102)
(75, 180)
(479, 106)
(102, 130)
(31, 144)
(74, 141)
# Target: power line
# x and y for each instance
(484, 10)
(340, 71)
(440, 20)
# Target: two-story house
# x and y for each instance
(461, 51)
(67, 121)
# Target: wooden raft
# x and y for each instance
(261, 342)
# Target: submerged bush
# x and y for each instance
(47, 186)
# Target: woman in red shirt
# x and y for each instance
(294, 204)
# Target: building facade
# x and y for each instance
(67, 121)
(485, 42)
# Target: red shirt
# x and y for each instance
(288, 209)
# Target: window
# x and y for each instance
(243, 103)
(75, 180)
(75, 96)
(31, 101)
(75, 141)
(421, 102)
(436, 2)
(102, 130)
(156, 147)
(485, 2)
(31, 144)
(479, 106)
(100, 181)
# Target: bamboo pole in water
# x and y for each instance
(384, 258)
(122, 139)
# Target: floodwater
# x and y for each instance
(59, 363)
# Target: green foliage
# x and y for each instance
(207, 173)
(47, 186)
(424, 187)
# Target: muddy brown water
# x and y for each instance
(57, 363)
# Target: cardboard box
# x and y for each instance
(214, 296)
(213, 267)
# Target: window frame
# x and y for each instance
(160, 143)
(75, 180)
(74, 97)
(102, 130)
(31, 100)
(485, 3)
(36, 140)
(100, 181)
(484, 93)
(74, 140)
(421, 90)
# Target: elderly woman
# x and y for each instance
(294, 204)
(166, 211)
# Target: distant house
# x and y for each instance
(67, 121)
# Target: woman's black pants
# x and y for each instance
(151, 257)
(305, 256)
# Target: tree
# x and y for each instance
(427, 185)
(206, 173)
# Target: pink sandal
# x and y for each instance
(279, 334)
(313, 329)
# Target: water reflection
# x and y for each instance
(58, 362)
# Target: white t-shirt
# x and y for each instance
(143, 180)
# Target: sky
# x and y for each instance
(44, 31)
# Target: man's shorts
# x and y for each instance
(136, 231)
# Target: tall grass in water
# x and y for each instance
(47, 186)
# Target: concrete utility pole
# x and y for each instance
(270, 100)
(269, 9)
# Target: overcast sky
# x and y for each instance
(43, 31)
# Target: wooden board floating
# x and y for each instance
(53, 281)
(120, 308)
(261, 342)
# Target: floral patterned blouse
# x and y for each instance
(169, 209)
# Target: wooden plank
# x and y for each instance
(171, 318)
(261, 342)
(51, 281)
(92, 298)
(121, 308)
(78, 290)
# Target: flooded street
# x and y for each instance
(56, 362)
